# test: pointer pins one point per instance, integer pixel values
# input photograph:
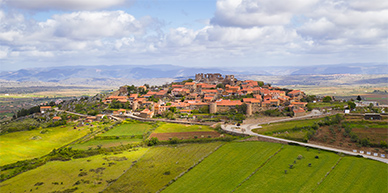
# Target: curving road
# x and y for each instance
(247, 129)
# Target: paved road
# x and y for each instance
(247, 129)
(82, 115)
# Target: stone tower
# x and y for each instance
(213, 108)
(134, 105)
(249, 109)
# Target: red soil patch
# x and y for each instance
(186, 135)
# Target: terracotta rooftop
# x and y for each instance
(229, 102)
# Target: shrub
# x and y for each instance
(174, 140)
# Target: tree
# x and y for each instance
(351, 105)
(204, 109)
(260, 83)
(327, 99)
(220, 86)
(359, 98)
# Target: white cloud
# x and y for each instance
(251, 13)
(64, 4)
(91, 25)
(249, 31)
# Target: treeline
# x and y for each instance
(24, 112)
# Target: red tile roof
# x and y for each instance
(229, 102)
(189, 83)
(251, 100)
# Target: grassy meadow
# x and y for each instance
(35, 143)
(159, 166)
(90, 174)
(175, 128)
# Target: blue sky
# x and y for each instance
(197, 33)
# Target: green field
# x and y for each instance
(301, 178)
(284, 126)
(69, 172)
(356, 175)
(104, 143)
(159, 166)
(175, 128)
(226, 168)
(30, 144)
(327, 105)
(128, 129)
(229, 170)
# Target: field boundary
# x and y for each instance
(257, 169)
(324, 177)
(190, 168)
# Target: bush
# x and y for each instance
(174, 140)
(151, 142)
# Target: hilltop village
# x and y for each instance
(207, 93)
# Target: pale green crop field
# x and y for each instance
(91, 173)
(31, 144)
(226, 168)
(159, 166)
(128, 129)
(175, 128)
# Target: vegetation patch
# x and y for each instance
(93, 144)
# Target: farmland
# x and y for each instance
(301, 178)
(128, 129)
(356, 175)
(284, 126)
(175, 128)
(161, 165)
(90, 174)
(328, 172)
(226, 168)
(284, 129)
(35, 143)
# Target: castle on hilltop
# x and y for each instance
(215, 78)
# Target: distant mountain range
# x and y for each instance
(117, 73)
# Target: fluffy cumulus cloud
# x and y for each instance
(63, 4)
(240, 30)
(252, 13)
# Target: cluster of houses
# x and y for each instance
(83, 118)
(210, 90)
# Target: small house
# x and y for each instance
(44, 109)
(372, 116)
